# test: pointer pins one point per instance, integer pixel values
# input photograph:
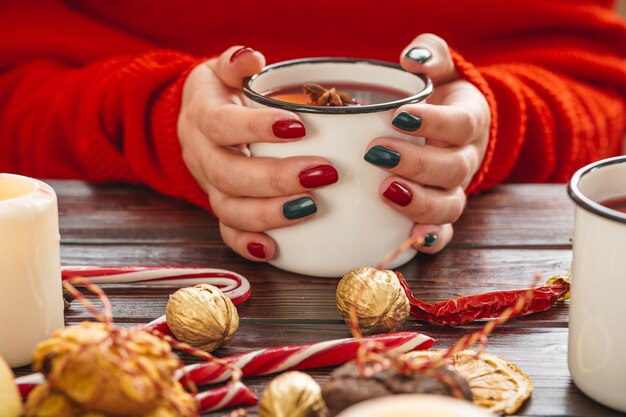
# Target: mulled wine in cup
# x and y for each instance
(345, 104)
(597, 334)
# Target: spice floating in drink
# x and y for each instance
(336, 94)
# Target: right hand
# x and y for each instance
(249, 195)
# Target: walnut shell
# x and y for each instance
(381, 303)
(202, 316)
(292, 394)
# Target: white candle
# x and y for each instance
(31, 304)
(415, 405)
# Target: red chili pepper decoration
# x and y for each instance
(481, 306)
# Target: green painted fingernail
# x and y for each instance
(382, 157)
(407, 121)
(421, 55)
(430, 239)
(296, 209)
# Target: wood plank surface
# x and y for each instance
(504, 238)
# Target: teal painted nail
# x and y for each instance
(296, 209)
(430, 239)
(407, 121)
(421, 55)
(382, 157)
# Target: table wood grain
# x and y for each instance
(504, 238)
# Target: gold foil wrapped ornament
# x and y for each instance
(44, 402)
(292, 394)
(381, 303)
(99, 368)
(202, 316)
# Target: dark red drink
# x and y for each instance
(617, 204)
(361, 93)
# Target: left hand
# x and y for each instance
(428, 181)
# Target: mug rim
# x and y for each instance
(584, 202)
(367, 108)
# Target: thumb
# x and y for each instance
(237, 63)
(429, 54)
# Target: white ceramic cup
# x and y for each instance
(31, 299)
(597, 325)
(352, 227)
(415, 405)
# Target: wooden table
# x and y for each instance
(502, 240)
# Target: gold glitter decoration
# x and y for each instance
(99, 369)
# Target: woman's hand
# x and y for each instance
(248, 195)
(428, 181)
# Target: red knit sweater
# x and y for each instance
(91, 89)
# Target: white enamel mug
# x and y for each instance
(597, 325)
(352, 227)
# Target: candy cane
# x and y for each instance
(27, 383)
(230, 395)
(297, 357)
(234, 286)
(281, 358)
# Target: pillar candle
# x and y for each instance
(31, 300)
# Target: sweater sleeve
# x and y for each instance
(80, 98)
(557, 103)
(111, 120)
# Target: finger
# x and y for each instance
(453, 125)
(232, 124)
(424, 164)
(237, 63)
(432, 238)
(253, 246)
(238, 175)
(261, 214)
(429, 54)
(423, 204)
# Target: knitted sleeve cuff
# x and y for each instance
(470, 73)
(164, 120)
(149, 102)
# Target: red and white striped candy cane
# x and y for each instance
(281, 358)
(229, 395)
(297, 357)
(27, 383)
(234, 286)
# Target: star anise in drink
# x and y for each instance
(321, 96)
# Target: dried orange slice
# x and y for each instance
(496, 383)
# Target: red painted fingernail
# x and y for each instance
(318, 176)
(288, 129)
(240, 52)
(257, 250)
(399, 194)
